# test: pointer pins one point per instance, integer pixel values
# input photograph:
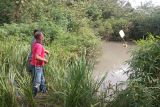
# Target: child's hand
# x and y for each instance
(46, 51)
(45, 60)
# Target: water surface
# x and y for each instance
(113, 62)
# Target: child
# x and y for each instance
(38, 60)
(33, 40)
(30, 67)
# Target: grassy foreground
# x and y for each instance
(68, 75)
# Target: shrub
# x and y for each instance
(25, 31)
(6, 11)
(106, 30)
(117, 25)
(145, 62)
(93, 12)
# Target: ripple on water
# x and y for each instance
(115, 79)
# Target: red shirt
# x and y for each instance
(37, 49)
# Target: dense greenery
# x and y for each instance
(68, 74)
(73, 29)
(105, 17)
(143, 84)
(72, 45)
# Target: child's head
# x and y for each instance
(39, 36)
(36, 30)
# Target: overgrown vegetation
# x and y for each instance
(68, 75)
(105, 17)
(73, 29)
(143, 84)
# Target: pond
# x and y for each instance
(113, 62)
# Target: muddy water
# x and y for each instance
(113, 62)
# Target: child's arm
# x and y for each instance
(46, 51)
(41, 59)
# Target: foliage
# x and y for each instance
(14, 79)
(94, 12)
(145, 61)
(24, 31)
(62, 76)
(65, 50)
(135, 95)
(143, 83)
(106, 17)
(72, 84)
(70, 28)
(6, 8)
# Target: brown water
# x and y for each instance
(113, 62)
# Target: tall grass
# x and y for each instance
(15, 81)
(80, 89)
(68, 77)
(7, 91)
(72, 84)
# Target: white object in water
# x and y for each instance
(122, 34)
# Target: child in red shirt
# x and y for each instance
(38, 60)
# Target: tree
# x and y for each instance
(6, 9)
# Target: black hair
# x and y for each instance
(37, 34)
(36, 30)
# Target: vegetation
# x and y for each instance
(73, 29)
(105, 17)
(143, 84)
(68, 75)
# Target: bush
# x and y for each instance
(136, 95)
(106, 30)
(25, 31)
(145, 62)
(109, 29)
(117, 25)
(6, 11)
(93, 12)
